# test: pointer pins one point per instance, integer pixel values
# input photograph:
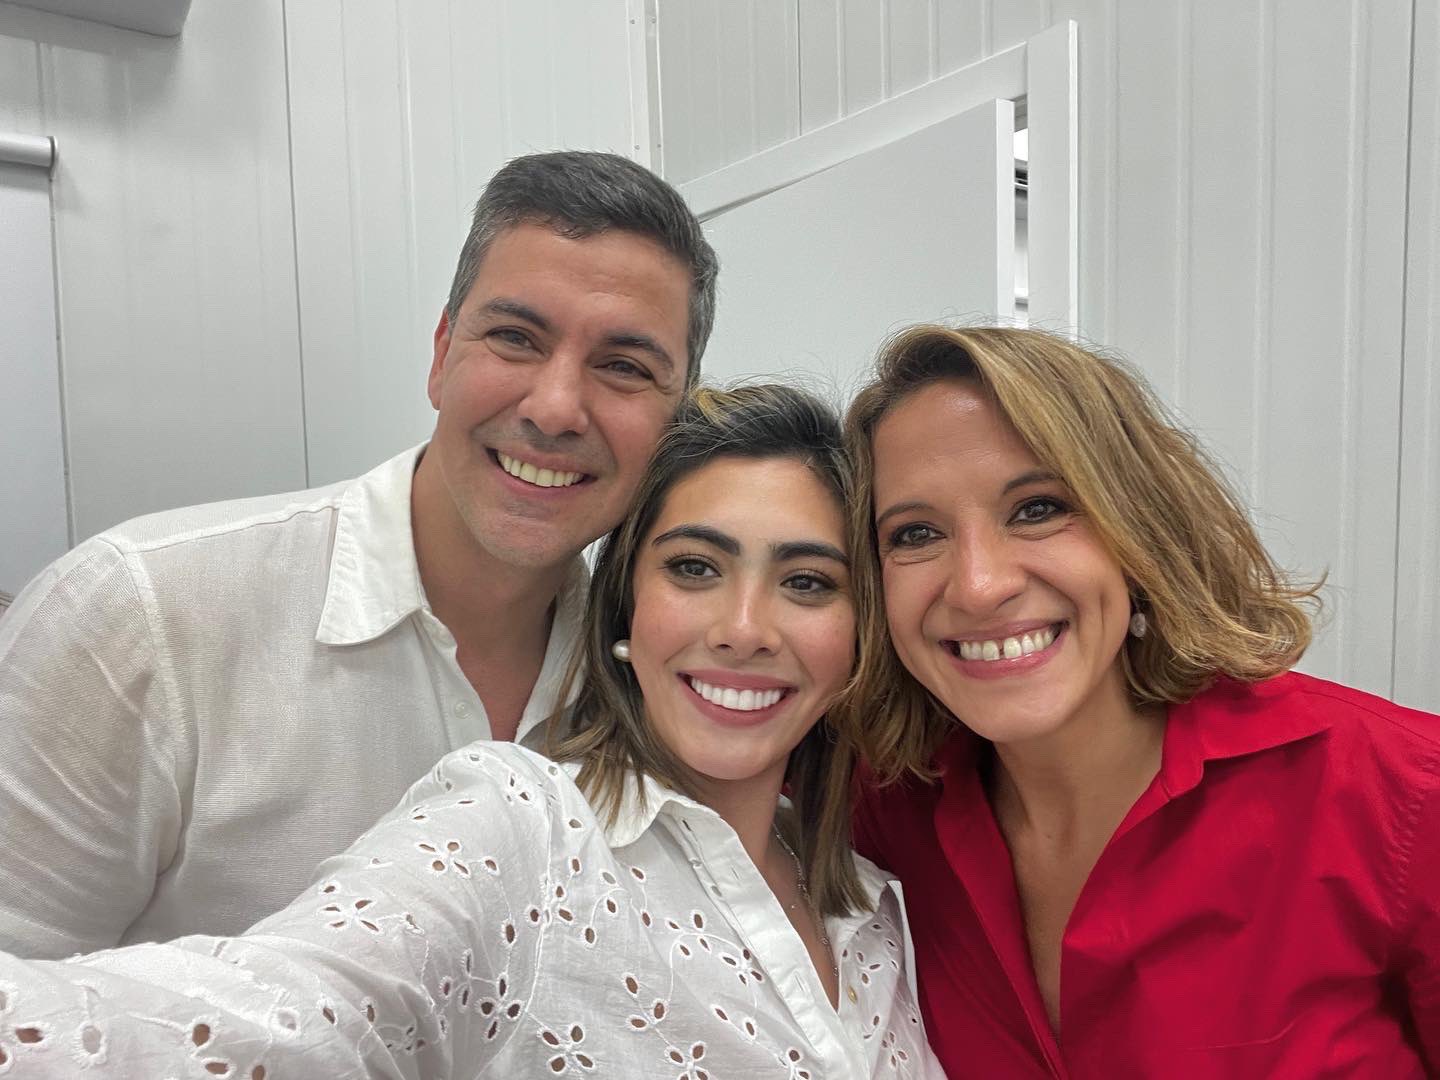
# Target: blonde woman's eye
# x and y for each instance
(912, 536)
(1037, 511)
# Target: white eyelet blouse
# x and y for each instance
(491, 926)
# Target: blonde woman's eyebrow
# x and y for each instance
(1034, 476)
(902, 508)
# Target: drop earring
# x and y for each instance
(1139, 625)
(621, 650)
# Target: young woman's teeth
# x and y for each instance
(539, 477)
(1007, 648)
(727, 697)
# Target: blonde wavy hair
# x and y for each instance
(1216, 603)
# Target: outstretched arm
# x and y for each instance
(381, 969)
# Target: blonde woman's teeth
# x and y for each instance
(539, 477)
(727, 697)
(1009, 648)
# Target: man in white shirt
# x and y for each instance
(196, 707)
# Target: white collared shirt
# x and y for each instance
(198, 706)
(491, 925)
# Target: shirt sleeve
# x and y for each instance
(409, 956)
(90, 809)
(1420, 927)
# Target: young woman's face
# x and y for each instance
(1001, 599)
(743, 629)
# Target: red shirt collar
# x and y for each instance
(1228, 719)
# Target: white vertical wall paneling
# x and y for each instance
(908, 37)
(34, 520)
(1335, 327)
(1151, 159)
(1417, 595)
(1225, 299)
(1012, 21)
(174, 258)
(400, 113)
(960, 28)
(641, 55)
(775, 100)
(1053, 207)
(20, 104)
(864, 64)
(818, 44)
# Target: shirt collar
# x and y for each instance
(637, 814)
(1228, 719)
(374, 578)
(1231, 719)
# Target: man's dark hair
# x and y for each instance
(582, 193)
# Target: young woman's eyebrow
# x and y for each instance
(808, 549)
(706, 534)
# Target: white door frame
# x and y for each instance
(1040, 76)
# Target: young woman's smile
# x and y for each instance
(743, 630)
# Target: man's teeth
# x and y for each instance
(727, 697)
(539, 477)
(1007, 648)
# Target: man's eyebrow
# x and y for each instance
(706, 534)
(646, 344)
(1034, 476)
(515, 309)
(808, 549)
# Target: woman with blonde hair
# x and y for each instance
(1133, 842)
(645, 905)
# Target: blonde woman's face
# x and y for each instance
(743, 629)
(1000, 598)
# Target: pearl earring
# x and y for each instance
(1139, 624)
(621, 650)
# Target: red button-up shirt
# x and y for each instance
(1269, 908)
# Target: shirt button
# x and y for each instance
(461, 708)
(850, 993)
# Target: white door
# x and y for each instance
(814, 276)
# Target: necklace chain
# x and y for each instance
(809, 901)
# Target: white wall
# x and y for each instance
(255, 223)
(1243, 238)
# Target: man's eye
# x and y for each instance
(910, 536)
(628, 368)
(512, 337)
(1035, 511)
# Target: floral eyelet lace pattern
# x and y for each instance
(488, 927)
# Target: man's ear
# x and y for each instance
(437, 359)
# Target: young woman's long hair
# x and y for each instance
(606, 730)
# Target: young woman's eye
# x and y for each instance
(1039, 510)
(809, 583)
(689, 568)
(912, 536)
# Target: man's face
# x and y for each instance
(553, 383)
